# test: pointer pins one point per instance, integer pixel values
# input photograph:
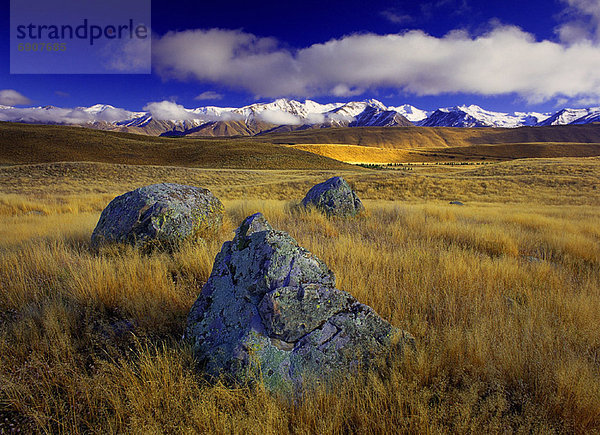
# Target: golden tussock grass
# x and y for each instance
(375, 155)
(357, 153)
(503, 299)
(90, 185)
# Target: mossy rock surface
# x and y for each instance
(270, 310)
(160, 215)
(334, 197)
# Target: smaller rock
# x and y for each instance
(510, 302)
(334, 197)
(35, 213)
(115, 329)
(456, 203)
(161, 215)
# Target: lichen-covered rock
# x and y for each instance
(334, 197)
(161, 215)
(270, 308)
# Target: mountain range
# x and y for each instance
(284, 115)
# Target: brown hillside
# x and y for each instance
(521, 150)
(26, 144)
(436, 137)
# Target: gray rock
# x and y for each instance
(161, 215)
(35, 213)
(532, 259)
(456, 203)
(334, 197)
(270, 310)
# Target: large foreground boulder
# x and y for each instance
(270, 309)
(161, 215)
(334, 197)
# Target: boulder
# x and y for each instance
(334, 197)
(270, 310)
(161, 215)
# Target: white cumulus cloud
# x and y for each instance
(167, 110)
(279, 117)
(315, 118)
(170, 111)
(58, 115)
(343, 90)
(396, 17)
(209, 95)
(505, 60)
(132, 56)
(582, 21)
(10, 97)
(111, 114)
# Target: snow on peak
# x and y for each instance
(285, 111)
(97, 108)
(573, 116)
(376, 104)
(411, 112)
(355, 108)
(475, 116)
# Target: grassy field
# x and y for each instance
(538, 180)
(502, 295)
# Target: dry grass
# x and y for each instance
(375, 155)
(504, 300)
(356, 153)
(30, 144)
(543, 181)
(514, 151)
(435, 137)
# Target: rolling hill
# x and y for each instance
(513, 151)
(309, 149)
(28, 144)
(435, 144)
(436, 137)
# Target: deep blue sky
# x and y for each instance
(296, 25)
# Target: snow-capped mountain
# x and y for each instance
(355, 108)
(167, 118)
(296, 108)
(573, 116)
(475, 116)
(263, 117)
(411, 112)
(374, 116)
(280, 115)
(592, 116)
